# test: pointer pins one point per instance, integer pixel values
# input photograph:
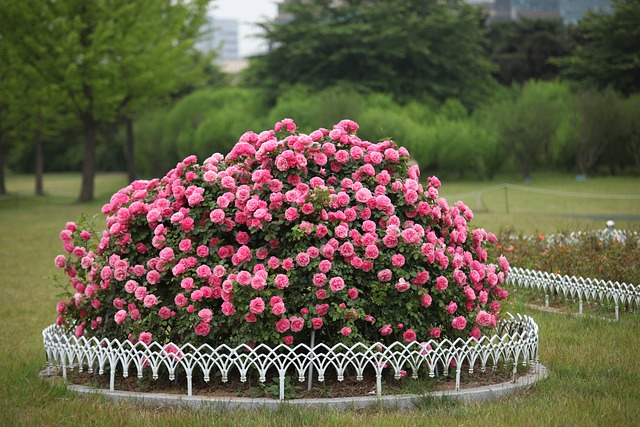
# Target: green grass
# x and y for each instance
(594, 370)
(534, 212)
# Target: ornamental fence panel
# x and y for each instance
(580, 288)
(515, 342)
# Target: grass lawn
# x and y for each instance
(594, 370)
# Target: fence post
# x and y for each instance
(506, 198)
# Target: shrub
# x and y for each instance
(287, 234)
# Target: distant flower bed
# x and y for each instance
(287, 234)
(612, 255)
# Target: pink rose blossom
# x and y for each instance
(150, 300)
(426, 300)
(451, 307)
(336, 284)
(441, 283)
(202, 329)
(145, 337)
(297, 323)
(283, 325)
(459, 323)
(345, 331)
(402, 285)
(483, 318)
(386, 330)
(120, 317)
(409, 335)
(278, 308)
(397, 260)
(316, 323)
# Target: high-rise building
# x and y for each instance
(574, 10)
(570, 11)
(220, 35)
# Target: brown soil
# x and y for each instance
(330, 388)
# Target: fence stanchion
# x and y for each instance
(506, 198)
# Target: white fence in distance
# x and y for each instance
(582, 289)
(515, 341)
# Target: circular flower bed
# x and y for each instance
(287, 235)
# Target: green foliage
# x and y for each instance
(401, 48)
(329, 105)
(527, 126)
(607, 53)
(202, 123)
(596, 126)
(103, 58)
(522, 48)
(631, 116)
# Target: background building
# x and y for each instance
(222, 36)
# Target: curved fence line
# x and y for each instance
(515, 341)
(584, 289)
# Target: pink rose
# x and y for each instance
(202, 329)
(426, 300)
(386, 330)
(316, 323)
(297, 323)
(164, 312)
(145, 337)
(459, 323)
(353, 293)
(397, 260)
(336, 284)
(302, 259)
(441, 283)
(120, 317)
(256, 306)
(451, 307)
(371, 252)
(475, 332)
(278, 308)
(150, 300)
(402, 285)
(227, 308)
(385, 275)
(283, 325)
(281, 281)
(409, 335)
(322, 309)
(205, 315)
(483, 318)
(180, 300)
(345, 331)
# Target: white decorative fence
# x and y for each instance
(582, 289)
(515, 341)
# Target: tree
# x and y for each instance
(608, 51)
(522, 48)
(26, 113)
(631, 114)
(595, 119)
(411, 49)
(527, 125)
(102, 55)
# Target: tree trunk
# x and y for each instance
(39, 166)
(89, 160)
(130, 153)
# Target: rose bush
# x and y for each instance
(287, 234)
